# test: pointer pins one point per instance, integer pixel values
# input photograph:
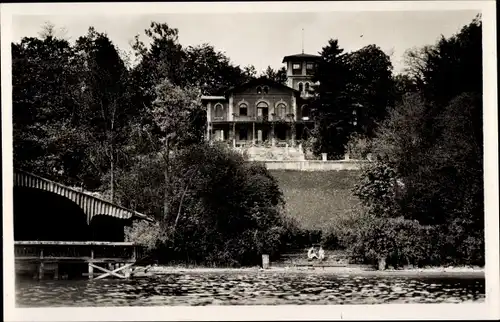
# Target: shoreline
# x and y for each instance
(465, 272)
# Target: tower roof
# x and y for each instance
(301, 57)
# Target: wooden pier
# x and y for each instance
(103, 259)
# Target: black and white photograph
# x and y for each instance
(252, 155)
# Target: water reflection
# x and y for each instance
(249, 289)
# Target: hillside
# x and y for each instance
(318, 199)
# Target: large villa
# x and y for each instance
(266, 119)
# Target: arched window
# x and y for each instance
(243, 109)
(301, 87)
(259, 90)
(307, 87)
(262, 109)
(305, 111)
(266, 89)
(219, 111)
(281, 110)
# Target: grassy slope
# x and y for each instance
(318, 199)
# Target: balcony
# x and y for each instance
(219, 118)
(247, 118)
(253, 118)
(307, 94)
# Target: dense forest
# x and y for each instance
(131, 125)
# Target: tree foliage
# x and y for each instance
(104, 109)
(229, 211)
(333, 108)
(45, 86)
(429, 150)
(211, 70)
(371, 87)
(355, 91)
(279, 76)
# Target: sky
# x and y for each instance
(263, 39)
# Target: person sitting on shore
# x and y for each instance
(311, 254)
(321, 253)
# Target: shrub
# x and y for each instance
(457, 244)
(359, 146)
(400, 241)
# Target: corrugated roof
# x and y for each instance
(90, 204)
(300, 56)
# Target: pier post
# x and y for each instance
(265, 261)
(127, 271)
(41, 266)
(91, 268)
(41, 271)
(56, 272)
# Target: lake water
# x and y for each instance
(256, 288)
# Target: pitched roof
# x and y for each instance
(300, 56)
(262, 81)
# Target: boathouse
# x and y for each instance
(56, 226)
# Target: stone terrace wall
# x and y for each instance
(314, 165)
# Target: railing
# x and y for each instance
(89, 251)
(287, 118)
(263, 118)
(219, 118)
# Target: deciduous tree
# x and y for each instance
(371, 87)
(104, 111)
(45, 83)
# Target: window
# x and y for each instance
(259, 90)
(218, 111)
(305, 112)
(310, 68)
(266, 89)
(262, 109)
(307, 88)
(281, 110)
(243, 109)
(296, 69)
(301, 87)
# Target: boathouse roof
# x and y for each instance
(90, 204)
